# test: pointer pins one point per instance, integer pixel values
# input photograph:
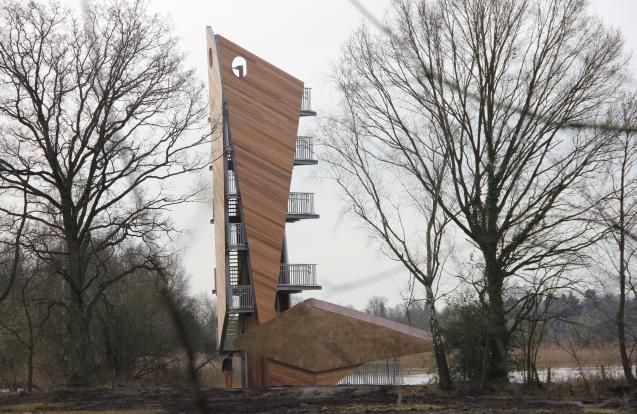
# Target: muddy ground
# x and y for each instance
(341, 399)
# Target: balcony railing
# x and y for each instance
(236, 236)
(301, 205)
(298, 275)
(240, 298)
(304, 151)
(306, 103)
(231, 183)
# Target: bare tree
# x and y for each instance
(100, 118)
(535, 304)
(10, 266)
(388, 203)
(617, 207)
(377, 306)
(500, 86)
(31, 308)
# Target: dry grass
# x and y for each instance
(211, 376)
(554, 356)
(549, 356)
(37, 408)
(523, 399)
(384, 408)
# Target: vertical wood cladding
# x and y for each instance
(254, 363)
(263, 113)
(216, 110)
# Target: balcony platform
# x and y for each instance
(294, 217)
(297, 289)
(305, 162)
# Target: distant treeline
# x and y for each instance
(571, 321)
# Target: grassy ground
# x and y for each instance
(333, 399)
(595, 396)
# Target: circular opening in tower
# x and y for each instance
(239, 67)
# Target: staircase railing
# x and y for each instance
(236, 236)
(240, 298)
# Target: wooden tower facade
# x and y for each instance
(256, 109)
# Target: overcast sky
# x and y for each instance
(304, 37)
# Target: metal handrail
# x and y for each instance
(304, 148)
(301, 203)
(298, 275)
(236, 235)
(306, 102)
(240, 297)
(233, 329)
(231, 183)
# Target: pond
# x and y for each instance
(557, 375)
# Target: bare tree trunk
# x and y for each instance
(78, 320)
(30, 368)
(16, 253)
(621, 219)
(498, 366)
(621, 323)
(439, 347)
(528, 364)
(78, 343)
